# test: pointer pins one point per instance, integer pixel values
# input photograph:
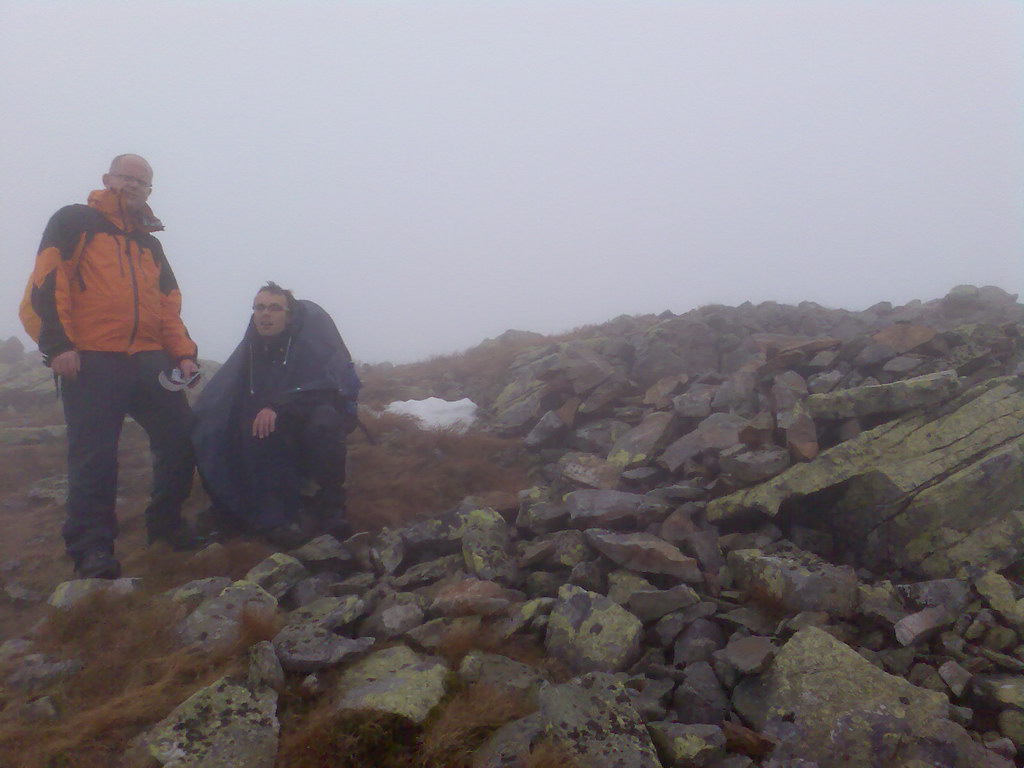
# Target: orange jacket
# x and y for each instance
(102, 283)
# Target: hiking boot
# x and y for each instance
(180, 539)
(286, 537)
(98, 564)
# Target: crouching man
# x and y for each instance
(275, 416)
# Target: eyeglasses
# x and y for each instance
(268, 308)
(127, 178)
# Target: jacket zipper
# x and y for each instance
(131, 269)
(135, 291)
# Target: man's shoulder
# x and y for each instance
(78, 216)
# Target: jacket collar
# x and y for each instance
(108, 202)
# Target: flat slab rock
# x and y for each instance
(593, 718)
(645, 553)
(224, 725)
(394, 681)
(935, 493)
(311, 647)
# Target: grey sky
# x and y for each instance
(434, 173)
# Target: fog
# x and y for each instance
(434, 173)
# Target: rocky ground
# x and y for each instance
(762, 535)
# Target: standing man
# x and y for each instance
(275, 415)
(105, 309)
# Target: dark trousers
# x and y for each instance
(110, 386)
(306, 443)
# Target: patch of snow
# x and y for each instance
(435, 412)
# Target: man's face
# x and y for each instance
(132, 178)
(270, 314)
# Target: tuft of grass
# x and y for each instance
(466, 720)
(323, 737)
(135, 673)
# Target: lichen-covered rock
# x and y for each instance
(474, 597)
(588, 631)
(225, 725)
(264, 667)
(328, 612)
(500, 672)
(194, 592)
(430, 571)
(433, 635)
(646, 553)
(325, 553)
(795, 581)
(485, 547)
(826, 703)
(394, 615)
(309, 647)
(718, 431)
(643, 442)
(752, 465)
(885, 398)
(683, 745)
(509, 746)
(602, 509)
(590, 470)
(592, 718)
(998, 593)
(394, 681)
(277, 574)
(936, 492)
(70, 593)
(217, 621)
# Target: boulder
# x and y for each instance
(717, 431)
(599, 509)
(892, 398)
(217, 621)
(395, 681)
(825, 703)
(795, 581)
(645, 553)
(643, 442)
(485, 547)
(309, 647)
(587, 631)
(225, 725)
(938, 507)
(683, 745)
(591, 717)
(70, 593)
(277, 574)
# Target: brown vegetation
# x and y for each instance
(136, 672)
(410, 473)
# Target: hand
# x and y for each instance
(188, 368)
(264, 423)
(67, 364)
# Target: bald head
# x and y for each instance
(131, 177)
(115, 164)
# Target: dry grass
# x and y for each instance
(135, 673)
(321, 737)
(411, 473)
(467, 719)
